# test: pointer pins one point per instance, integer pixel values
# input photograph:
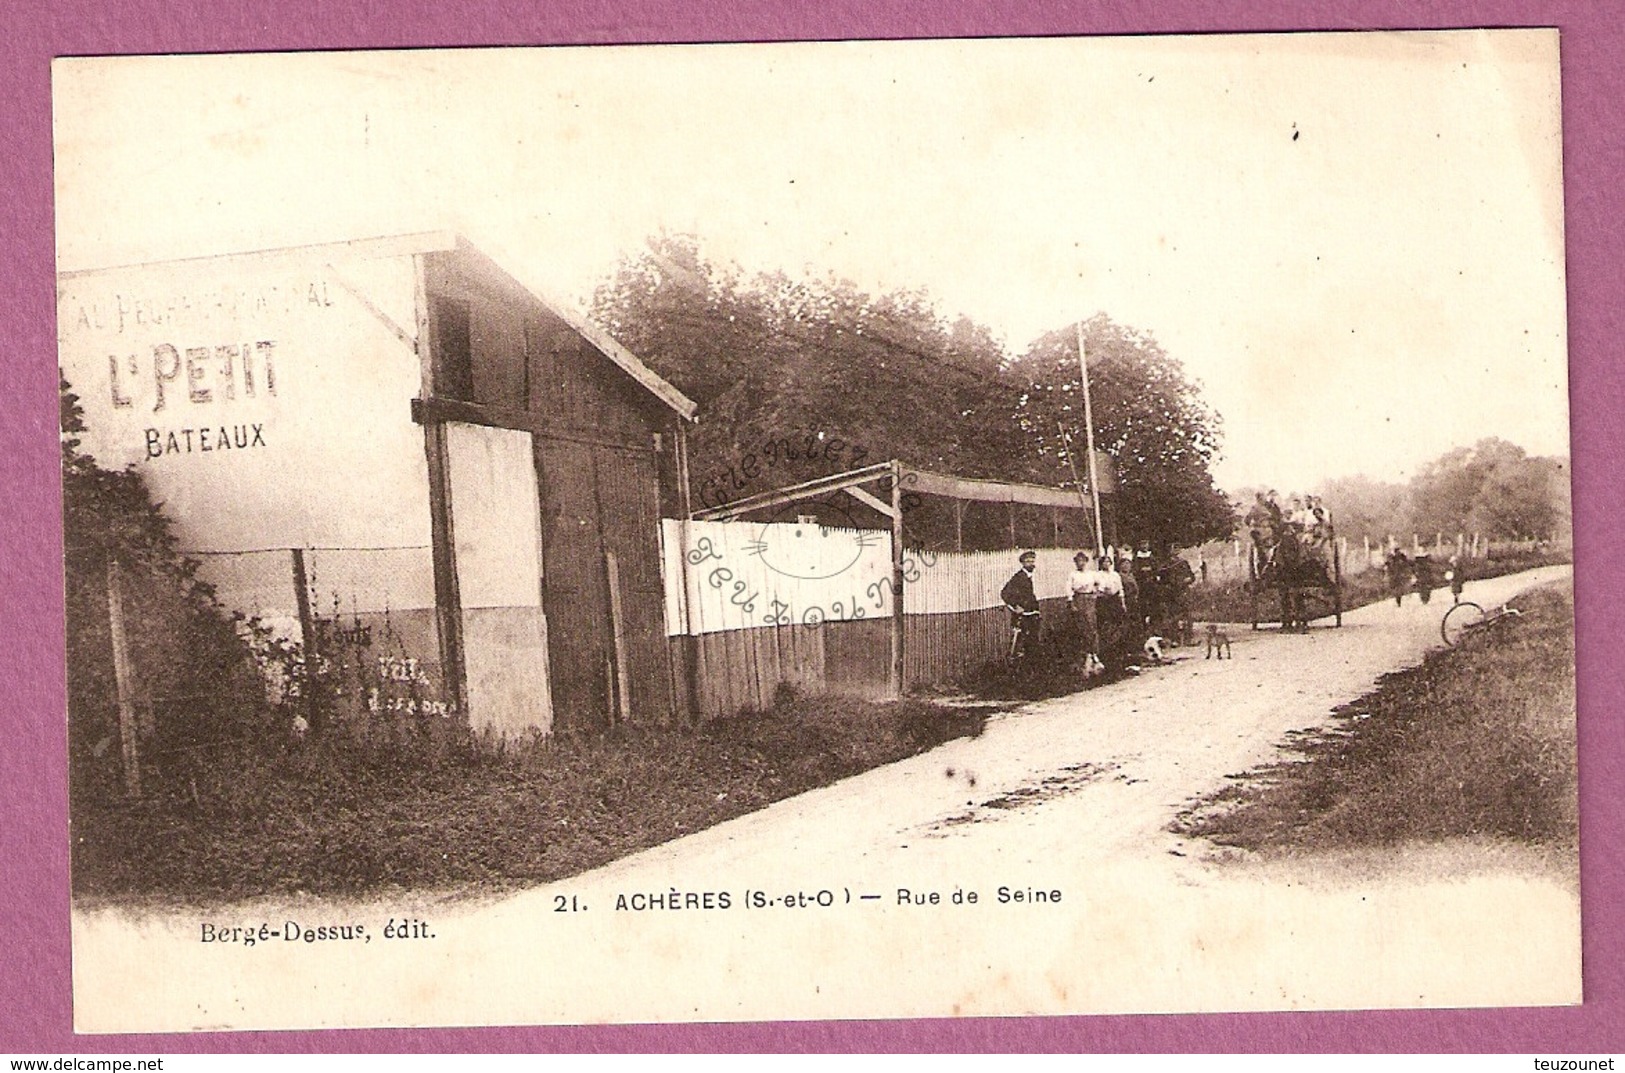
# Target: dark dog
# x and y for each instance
(1217, 642)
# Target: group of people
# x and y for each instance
(1116, 599)
(1305, 518)
(1417, 574)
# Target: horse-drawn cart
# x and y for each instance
(1294, 563)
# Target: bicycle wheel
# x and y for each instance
(1458, 620)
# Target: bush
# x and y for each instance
(198, 672)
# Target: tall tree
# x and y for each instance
(1493, 487)
(1148, 415)
(1444, 491)
(1521, 498)
(775, 360)
(1363, 507)
(779, 363)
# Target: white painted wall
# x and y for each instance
(496, 532)
(744, 575)
(266, 405)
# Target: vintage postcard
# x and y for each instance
(843, 530)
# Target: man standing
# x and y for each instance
(1019, 597)
(1174, 578)
(1400, 578)
(1145, 577)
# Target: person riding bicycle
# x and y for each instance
(1019, 597)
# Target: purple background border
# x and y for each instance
(34, 949)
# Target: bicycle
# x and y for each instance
(1023, 635)
(1468, 617)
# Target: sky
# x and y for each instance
(1352, 242)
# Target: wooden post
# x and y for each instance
(448, 602)
(617, 621)
(690, 644)
(1011, 513)
(1337, 579)
(959, 525)
(123, 681)
(448, 598)
(307, 636)
(897, 579)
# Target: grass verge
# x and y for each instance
(1478, 740)
(341, 820)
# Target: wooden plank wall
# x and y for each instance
(741, 670)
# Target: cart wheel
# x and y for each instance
(1458, 620)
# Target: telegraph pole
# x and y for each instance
(1089, 441)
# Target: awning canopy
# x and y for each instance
(935, 484)
(920, 482)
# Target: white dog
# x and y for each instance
(1153, 649)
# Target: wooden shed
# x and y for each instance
(604, 436)
(446, 486)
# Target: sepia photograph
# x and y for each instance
(843, 530)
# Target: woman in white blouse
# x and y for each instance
(1086, 585)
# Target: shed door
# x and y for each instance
(630, 494)
(609, 648)
(576, 586)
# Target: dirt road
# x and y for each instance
(1055, 819)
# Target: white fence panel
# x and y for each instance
(943, 583)
(743, 575)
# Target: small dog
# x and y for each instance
(1153, 650)
(1218, 643)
